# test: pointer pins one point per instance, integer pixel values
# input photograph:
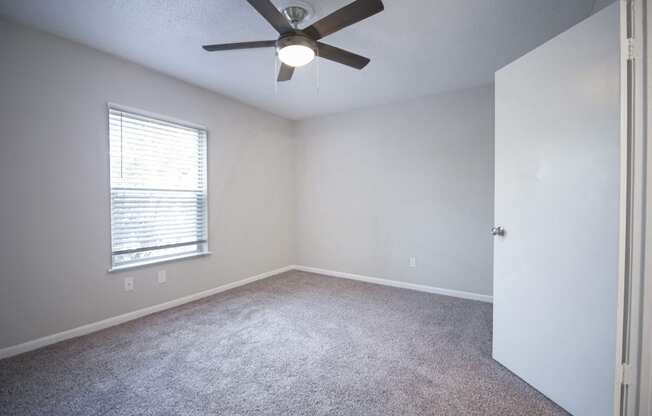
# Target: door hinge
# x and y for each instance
(630, 49)
(625, 375)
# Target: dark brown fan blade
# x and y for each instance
(240, 45)
(285, 73)
(272, 15)
(341, 56)
(346, 16)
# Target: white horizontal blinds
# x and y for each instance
(158, 188)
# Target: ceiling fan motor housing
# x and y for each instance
(296, 39)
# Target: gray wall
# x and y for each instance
(54, 206)
(601, 4)
(377, 186)
(343, 192)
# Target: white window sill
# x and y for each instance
(156, 261)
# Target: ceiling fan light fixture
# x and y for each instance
(296, 55)
(297, 45)
(296, 50)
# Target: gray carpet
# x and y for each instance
(293, 344)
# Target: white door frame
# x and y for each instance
(633, 377)
(644, 382)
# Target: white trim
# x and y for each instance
(157, 116)
(643, 18)
(395, 283)
(144, 263)
(116, 320)
(622, 207)
(632, 205)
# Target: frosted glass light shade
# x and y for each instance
(296, 55)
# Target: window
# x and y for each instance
(158, 189)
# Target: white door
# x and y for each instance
(557, 197)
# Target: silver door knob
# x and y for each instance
(498, 231)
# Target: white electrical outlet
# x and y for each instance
(129, 284)
(162, 278)
(413, 262)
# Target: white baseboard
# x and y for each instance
(116, 320)
(394, 283)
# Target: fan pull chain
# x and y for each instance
(277, 68)
(317, 65)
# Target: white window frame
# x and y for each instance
(167, 119)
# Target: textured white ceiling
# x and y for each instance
(417, 47)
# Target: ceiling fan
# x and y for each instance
(297, 47)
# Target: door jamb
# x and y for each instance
(633, 339)
(644, 399)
